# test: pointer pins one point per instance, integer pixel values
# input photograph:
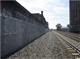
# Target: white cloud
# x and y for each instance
(54, 11)
(41, 4)
(58, 9)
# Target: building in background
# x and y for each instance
(18, 27)
(65, 29)
(18, 11)
(74, 16)
(41, 18)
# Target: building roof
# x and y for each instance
(26, 10)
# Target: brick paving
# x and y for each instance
(47, 46)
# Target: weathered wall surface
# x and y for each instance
(0, 30)
(18, 27)
(74, 16)
(17, 33)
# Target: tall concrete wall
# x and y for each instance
(17, 33)
(0, 30)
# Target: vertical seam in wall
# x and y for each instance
(0, 29)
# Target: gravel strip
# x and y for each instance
(73, 42)
(46, 47)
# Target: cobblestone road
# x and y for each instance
(47, 46)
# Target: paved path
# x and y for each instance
(47, 46)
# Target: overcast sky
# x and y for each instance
(55, 11)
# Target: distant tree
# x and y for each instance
(58, 27)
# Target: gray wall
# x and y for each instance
(16, 33)
(0, 29)
(65, 29)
